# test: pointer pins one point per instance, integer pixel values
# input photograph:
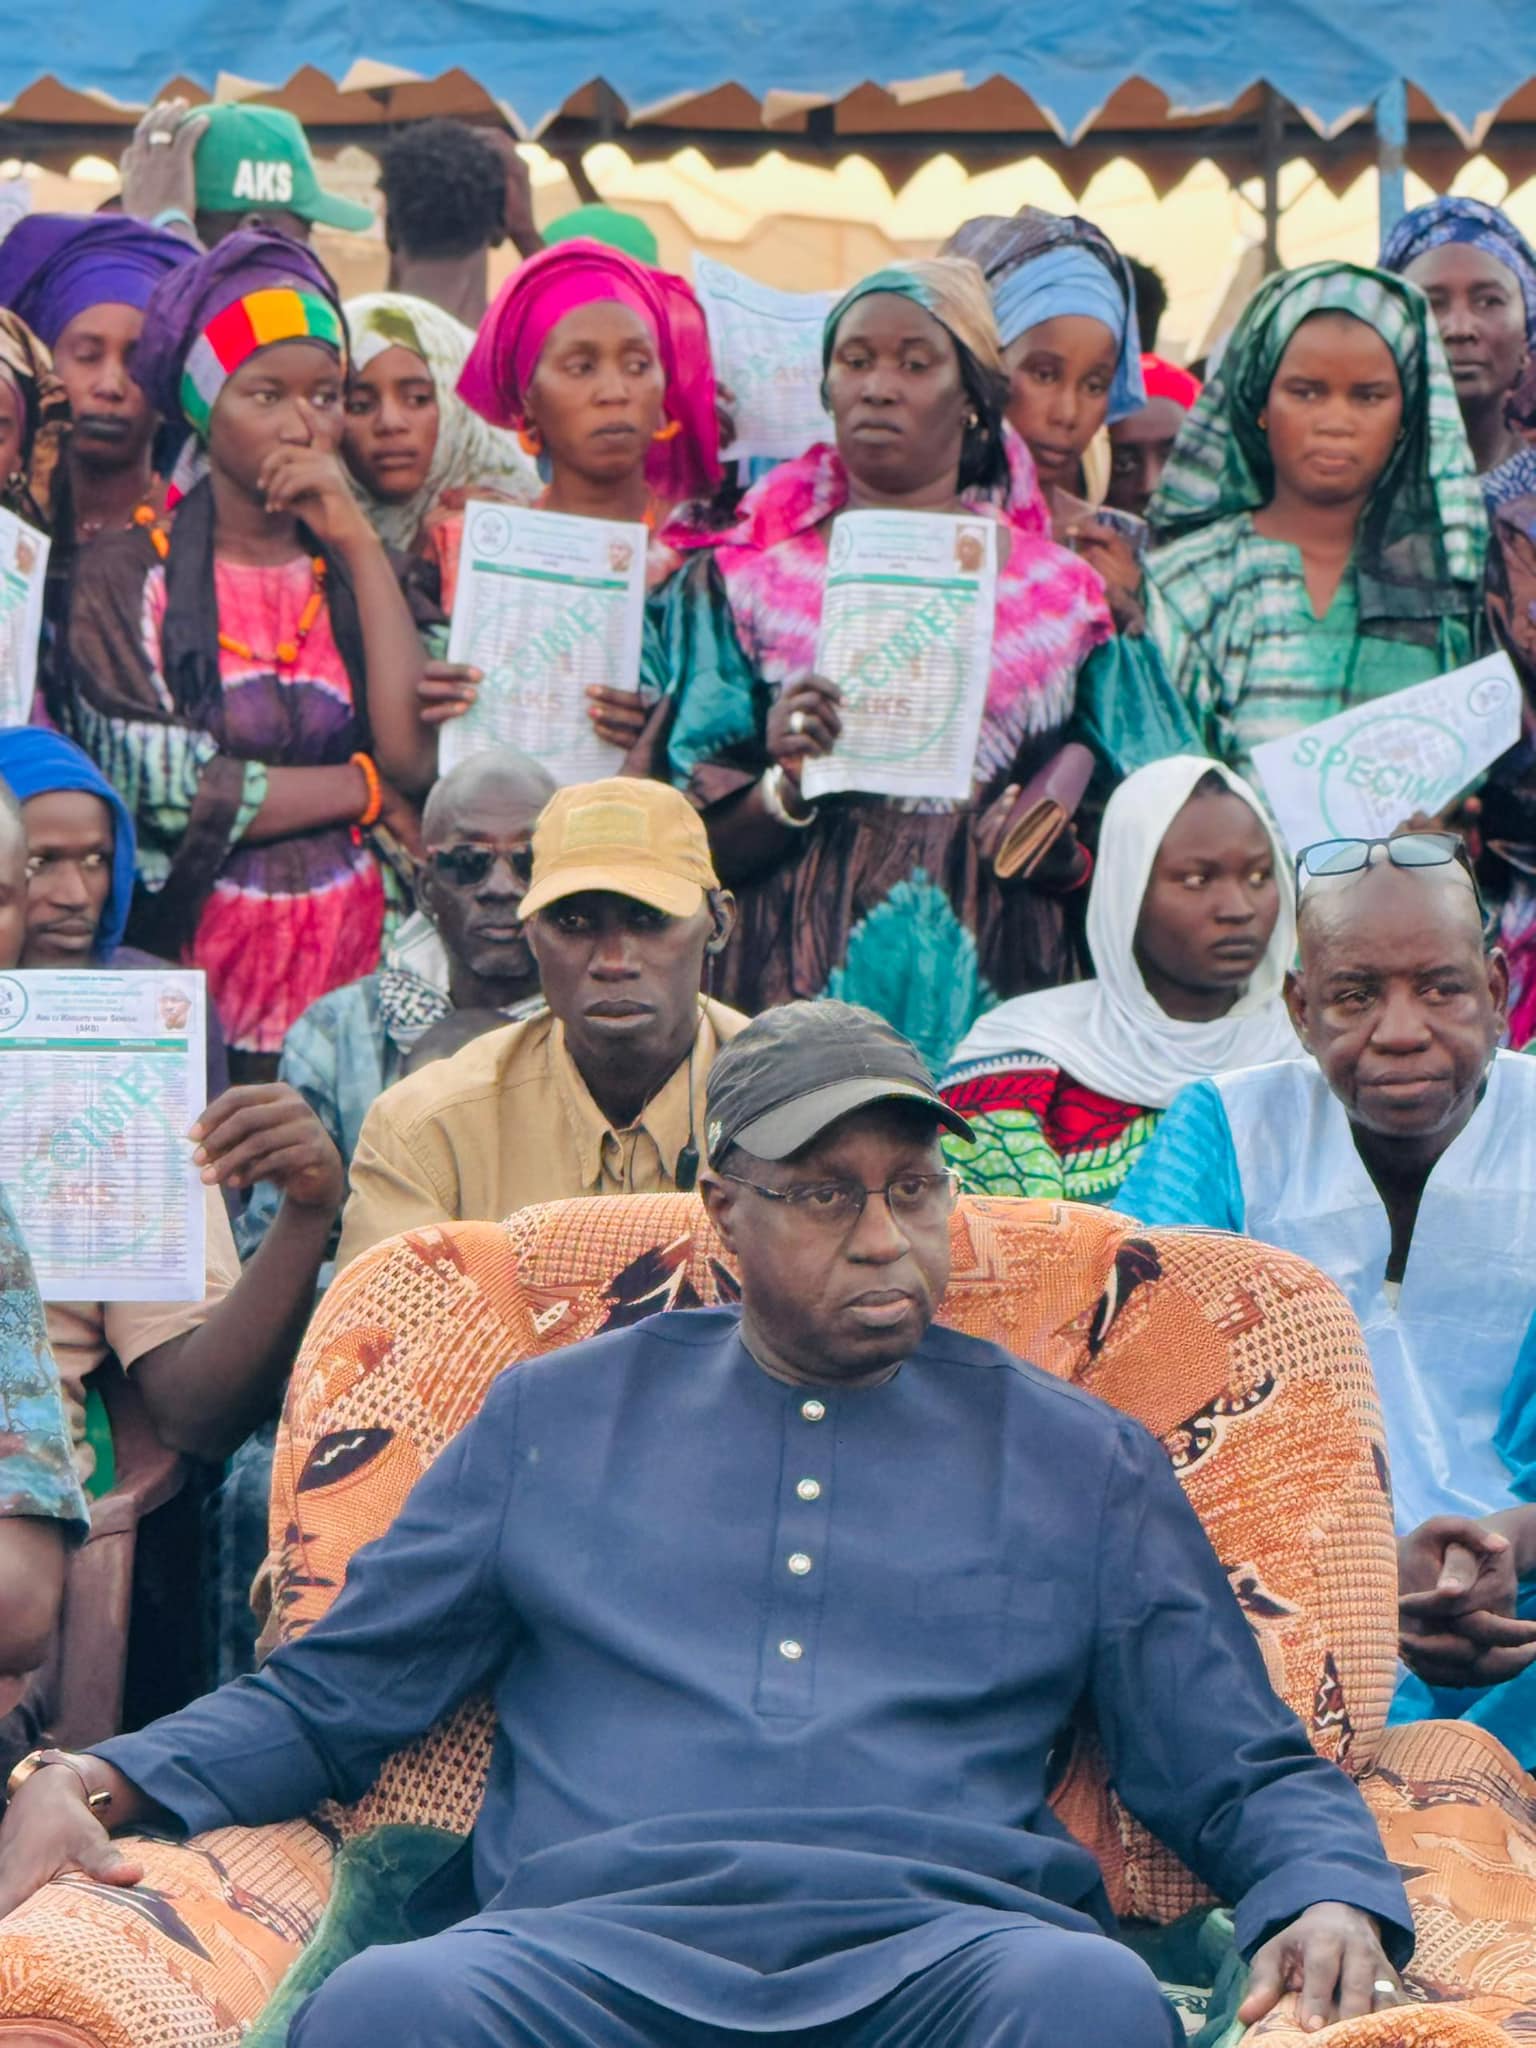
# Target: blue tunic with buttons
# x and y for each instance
(779, 1675)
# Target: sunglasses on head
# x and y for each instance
(465, 865)
(1407, 850)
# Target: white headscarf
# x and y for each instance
(1111, 1034)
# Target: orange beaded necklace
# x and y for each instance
(147, 517)
(286, 653)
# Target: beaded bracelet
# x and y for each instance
(373, 809)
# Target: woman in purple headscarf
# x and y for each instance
(227, 678)
(81, 283)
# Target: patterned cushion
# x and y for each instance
(184, 1960)
(1245, 1361)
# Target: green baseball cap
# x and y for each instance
(257, 160)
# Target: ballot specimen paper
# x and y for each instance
(1366, 771)
(23, 571)
(906, 634)
(767, 350)
(102, 1075)
(546, 605)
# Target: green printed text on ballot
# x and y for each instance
(919, 631)
(560, 576)
(1410, 763)
(129, 1098)
(583, 622)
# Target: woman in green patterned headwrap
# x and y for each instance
(1324, 535)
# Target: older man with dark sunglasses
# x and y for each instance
(463, 951)
(1400, 1157)
(786, 1612)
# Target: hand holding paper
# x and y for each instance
(906, 635)
(804, 722)
(1367, 771)
(550, 610)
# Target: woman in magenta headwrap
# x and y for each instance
(227, 679)
(81, 283)
(602, 367)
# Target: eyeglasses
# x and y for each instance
(838, 1204)
(467, 864)
(1407, 850)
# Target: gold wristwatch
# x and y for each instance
(39, 1760)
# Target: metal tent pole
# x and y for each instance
(1271, 145)
(1391, 145)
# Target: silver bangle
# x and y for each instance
(772, 787)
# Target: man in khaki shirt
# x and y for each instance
(208, 1370)
(84, 1333)
(602, 1092)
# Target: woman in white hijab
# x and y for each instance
(1192, 926)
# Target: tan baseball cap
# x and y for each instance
(626, 835)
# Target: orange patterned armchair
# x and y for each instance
(1243, 1360)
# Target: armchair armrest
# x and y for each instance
(187, 1959)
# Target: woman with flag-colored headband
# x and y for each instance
(227, 678)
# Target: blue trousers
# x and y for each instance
(481, 1986)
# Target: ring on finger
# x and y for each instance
(1384, 1988)
(797, 722)
(160, 138)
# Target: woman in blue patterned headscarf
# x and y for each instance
(1479, 274)
(1065, 306)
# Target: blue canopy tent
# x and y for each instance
(1328, 59)
(1247, 82)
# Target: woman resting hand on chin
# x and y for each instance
(229, 677)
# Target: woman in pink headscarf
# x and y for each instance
(602, 368)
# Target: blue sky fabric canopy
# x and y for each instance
(1331, 58)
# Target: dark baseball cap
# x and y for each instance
(798, 1068)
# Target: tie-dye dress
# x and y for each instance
(883, 901)
(284, 920)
